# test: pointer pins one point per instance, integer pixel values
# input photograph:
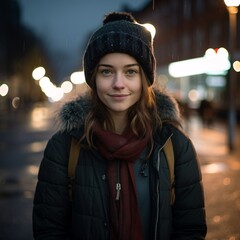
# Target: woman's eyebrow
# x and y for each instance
(132, 65)
(128, 65)
(104, 65)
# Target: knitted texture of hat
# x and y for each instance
(120, 33)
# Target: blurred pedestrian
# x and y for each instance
(207, 112)
(122, 186)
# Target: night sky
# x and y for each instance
(65, 26)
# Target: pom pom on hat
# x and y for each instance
(120, 33)
(117, 16)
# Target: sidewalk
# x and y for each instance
(221, 175)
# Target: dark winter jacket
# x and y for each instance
(89, 219)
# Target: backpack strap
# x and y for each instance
(72, 163)
(168, 150)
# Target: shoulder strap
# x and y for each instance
(72, 163)
(168, 150)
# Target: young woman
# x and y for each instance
(122, 188)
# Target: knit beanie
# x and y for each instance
(120, 33)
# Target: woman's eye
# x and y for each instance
(132, 71)
(105, 71)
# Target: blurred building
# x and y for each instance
(185, 30)
(20, 52)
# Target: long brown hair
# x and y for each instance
(142, 116)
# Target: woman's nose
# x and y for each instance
(118, 81)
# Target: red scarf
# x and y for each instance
(124, 213)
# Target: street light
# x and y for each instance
(232, 6)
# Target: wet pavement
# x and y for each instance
(221, 175)
(23, 136)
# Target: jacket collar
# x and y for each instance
(73, 113)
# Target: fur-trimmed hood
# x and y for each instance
(73, 113)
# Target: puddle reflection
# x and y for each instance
(214, 168)
(36, 147)
(40, 117)
(33, 170)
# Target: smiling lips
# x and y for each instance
(119, 96)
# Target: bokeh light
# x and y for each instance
(4, 89)
(16, 102)
(77, 77)
(236, 66)
(66, 86)
(150, 28)
(38, 73)
(232, 3)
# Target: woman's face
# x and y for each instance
(118, 82)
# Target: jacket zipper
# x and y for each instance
(158, 166)
(118, 184)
